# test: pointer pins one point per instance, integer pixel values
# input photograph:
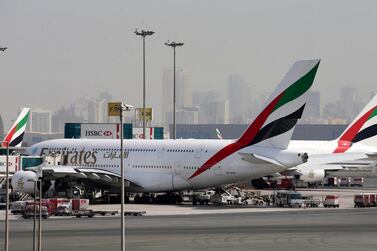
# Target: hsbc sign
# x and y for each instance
(100, 131)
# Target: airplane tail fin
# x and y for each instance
(16, 133)
(274, 125)
(362, 129)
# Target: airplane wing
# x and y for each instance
(336, 162)
(76, 172)
(334, 159)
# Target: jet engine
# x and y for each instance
(23, 181)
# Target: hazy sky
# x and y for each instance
(62, 50)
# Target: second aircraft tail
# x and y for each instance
(16, 133)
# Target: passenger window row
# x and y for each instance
(180, 150)
(191, 167)
(152, 166)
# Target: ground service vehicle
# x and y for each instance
(309, 201)
(357, 181)
(223, 199)
(203, 198)
(288, 198)
(345, 181)
(17, 207)
(63, 210)
(373, 200)
(29, 212)
(362, 200)
(331, 182)
(331, 201)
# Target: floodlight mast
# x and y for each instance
(143, 34)
(173, 45)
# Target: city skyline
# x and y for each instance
(60, 51)
(208, 107)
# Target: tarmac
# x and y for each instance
(346, 196)
(186, 227)
(326, 229)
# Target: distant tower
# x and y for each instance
(348, 105)
(313, 105)
(239, 96)
(183, 93)
(40, 121)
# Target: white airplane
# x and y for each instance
(175, 165)
(358, 141)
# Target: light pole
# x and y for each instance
(6, 143)
(6, 243)
(40, 216)
(173, 45)
(143, 34)
(35, 212)
(123, 107)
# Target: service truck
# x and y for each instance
(288, 198)
(203, 197)
(362, 200)
(331, 200)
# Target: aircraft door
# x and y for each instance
(177, 168)
(199, 151)
(217, 170)
(160, 153)
(178, 181)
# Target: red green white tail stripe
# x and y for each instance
(16, 133)
(364, 127)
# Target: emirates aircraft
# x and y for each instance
(357, 142)
(189, 164)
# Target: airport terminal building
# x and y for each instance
(234, 131)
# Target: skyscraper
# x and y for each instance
(40, 121)
(240, 101)
(212, 108)
(313, 106)
(183, 93)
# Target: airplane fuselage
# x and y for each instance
(158, 165)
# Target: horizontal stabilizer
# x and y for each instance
(258, 159)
